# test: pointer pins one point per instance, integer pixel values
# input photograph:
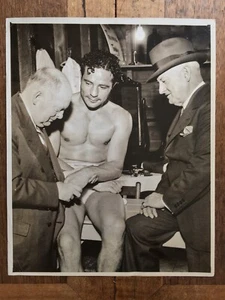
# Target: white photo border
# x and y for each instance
(115, 21)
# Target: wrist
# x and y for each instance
(165, 205)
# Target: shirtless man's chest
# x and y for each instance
(86, 134)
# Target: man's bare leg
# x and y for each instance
(106, 211)
(69, 243)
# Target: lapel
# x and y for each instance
(54, 159)
(172, 126)
(180, 122)
(31, 136)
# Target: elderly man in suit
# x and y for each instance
(37, 180)
(181, 201)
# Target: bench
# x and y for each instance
(132, 207)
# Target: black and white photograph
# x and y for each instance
(110, 146)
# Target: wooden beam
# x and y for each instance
(140, 9)
(60, 44)
(91, 8)
(25, 53)
(85, 39)
(102, 8)
(75, 8)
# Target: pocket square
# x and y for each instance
(187, 130)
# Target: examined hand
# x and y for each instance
(108, 186)
(81, 178)
(93, 179)
(67, 191)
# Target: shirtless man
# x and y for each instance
(94, 139)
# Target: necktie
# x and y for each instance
(181, 111)
(42, 137)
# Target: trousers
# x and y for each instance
(144, 238)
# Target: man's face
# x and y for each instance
(51, 106)
(173, 84)
(96, 87)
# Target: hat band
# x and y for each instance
(166, 60)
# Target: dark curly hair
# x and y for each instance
(102, 60)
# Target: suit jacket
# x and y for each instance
(37, 214)
(186, 183)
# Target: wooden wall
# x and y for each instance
(25, 287)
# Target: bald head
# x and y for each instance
(48, 77)
(46, 95)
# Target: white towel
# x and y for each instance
(43, 60)
(72, 71)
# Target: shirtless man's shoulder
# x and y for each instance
(75, 98)
(117, 112)
(113, 111)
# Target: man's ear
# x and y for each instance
(36, 97)
(187, 73)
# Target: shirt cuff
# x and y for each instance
(166, 205)
(68, 172)
(165, 167)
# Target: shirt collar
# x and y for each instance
(188, 99)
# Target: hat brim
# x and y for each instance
(200, 57)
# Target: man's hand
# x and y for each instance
(154, 200)
(67, 191)
(81, 178)
(149, 212)
(150, 204)
(108, 186)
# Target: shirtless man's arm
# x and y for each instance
(112, 167)
(55, 141)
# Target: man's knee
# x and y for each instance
(134, 224)
(113, 229)
(66, 242)
(136, 228)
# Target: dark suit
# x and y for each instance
(186, 192)
(37, 214)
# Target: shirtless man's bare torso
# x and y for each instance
(94, 135)
(87, 134)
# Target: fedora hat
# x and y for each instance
(172, 52)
